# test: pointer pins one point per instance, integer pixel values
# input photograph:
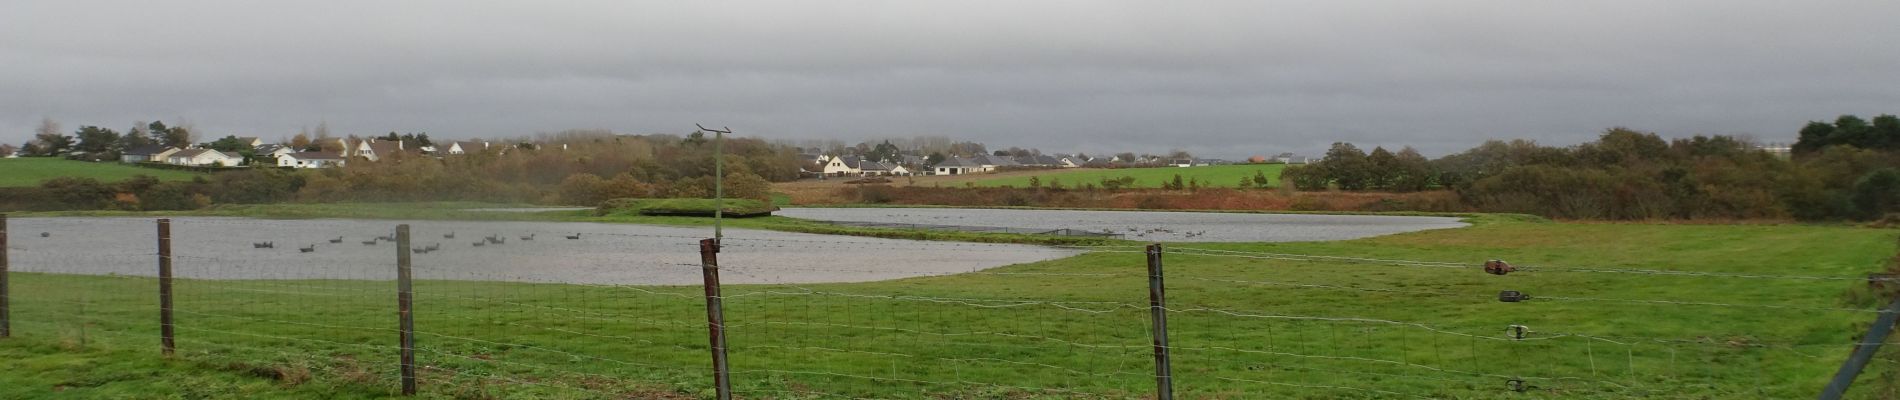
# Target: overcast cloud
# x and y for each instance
(1226, 79)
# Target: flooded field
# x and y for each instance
(1149, 225)
(227, 248)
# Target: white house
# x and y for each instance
(465, 147)
(272, 150)
(147, 153)
(204, 158)
(959, 166)
(311, 159)
(251, 140)
(871, 168)
(842, 166)
(378, 149)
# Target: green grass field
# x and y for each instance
(1244, 325)
(30, 171)
(1213, 175)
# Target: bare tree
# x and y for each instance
(48, 127)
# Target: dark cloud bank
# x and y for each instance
(1219, 78)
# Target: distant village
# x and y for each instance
(282, 155)
(158, 144)
(820, 164)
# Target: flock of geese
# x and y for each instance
(432, 247)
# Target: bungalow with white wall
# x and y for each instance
(147, 153)
(310, 159)
(204, 158)
(873, 168)
(958, 166)
(842, 166)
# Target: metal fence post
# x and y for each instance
(1158, 309)
(6, 311)
(715, 317)
(405, 297)
(1864, 351)
(165, 286)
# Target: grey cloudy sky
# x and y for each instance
(1220, 78)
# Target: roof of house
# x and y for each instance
(874, 166)
(985, 159)
(247, 139)
(191, 152)
(1038, 160)
(313, 155)
(384, 148)
(269, 148)
(959, 162)
(851, 161)
(147, 150)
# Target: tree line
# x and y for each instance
(1845, 170)
(99, 143)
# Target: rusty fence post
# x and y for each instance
(1158, 310)
(405, 311)
(715, 317)
(165, 286)
(6, 310)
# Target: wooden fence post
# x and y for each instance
(165, 286)
(405, 297)
(715, 317)
(6, 310)
(1158, 311)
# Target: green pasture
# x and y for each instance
(30, 171)
(1618, 311)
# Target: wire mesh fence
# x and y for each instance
(582, 311)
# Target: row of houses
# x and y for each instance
(285, 156)
(907, 165)
(195, 157)
(374, 150)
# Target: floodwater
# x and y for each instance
(224, 248)
(1160, 226)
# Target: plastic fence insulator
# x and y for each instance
(1517, 332)
(1512, 296)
